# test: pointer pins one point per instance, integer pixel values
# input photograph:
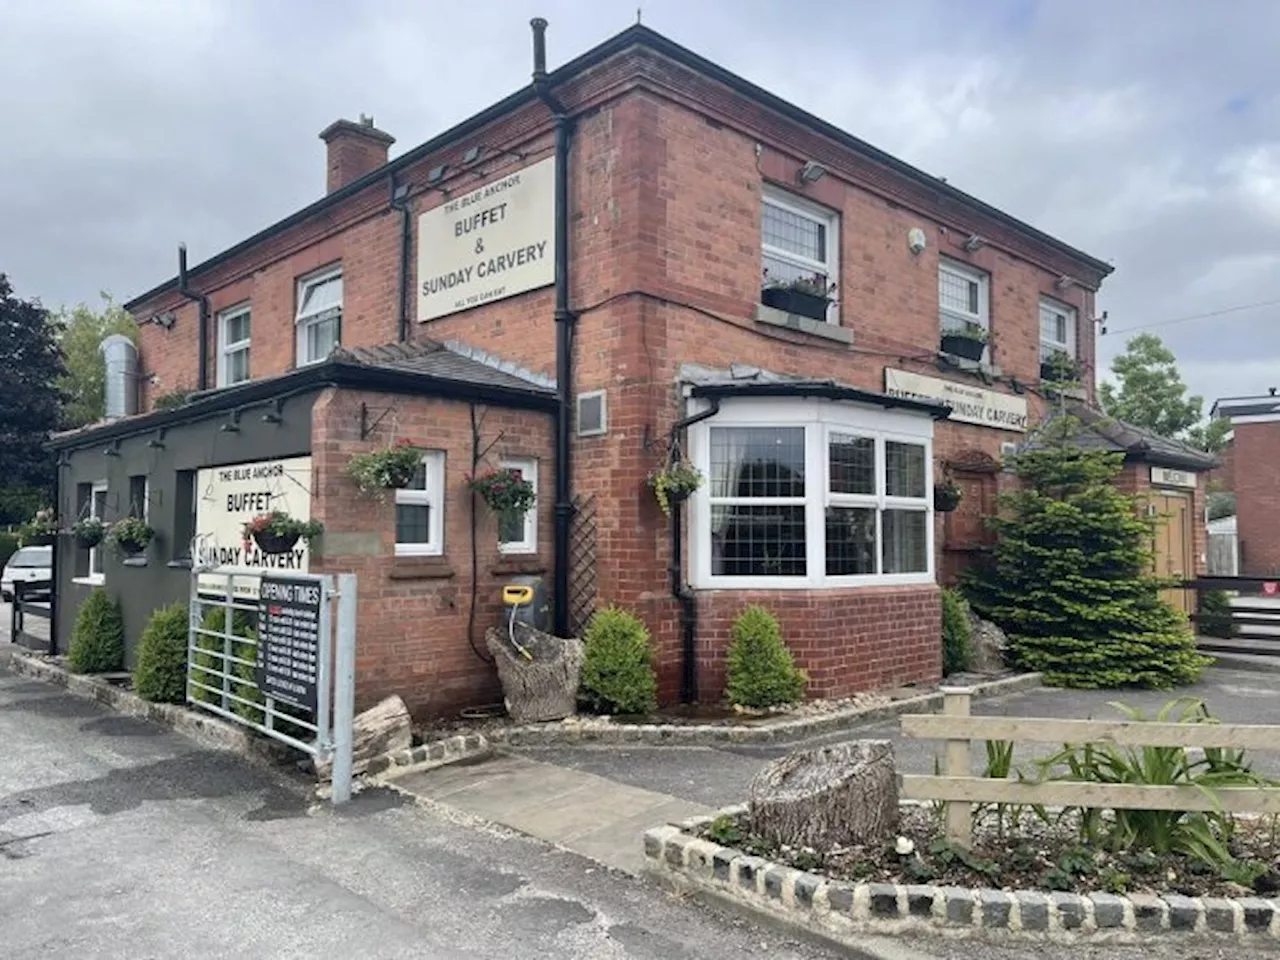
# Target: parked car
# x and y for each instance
(29, 563)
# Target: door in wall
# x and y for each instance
(1174, 557)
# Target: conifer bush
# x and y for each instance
(1069, 578)
(957, 633)
(761, 670)
(617, 670)
(160, 674)
(97, 640)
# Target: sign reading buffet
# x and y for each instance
(492, 243)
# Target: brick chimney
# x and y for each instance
(354, 149)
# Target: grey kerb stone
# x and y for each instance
(1070, 909)
(996, 908)
(652, 846)
(840, 897)
(773, 882)
(1257, 914)
(675, 852)
(884, 900)
(1108, 911)
(920, 900)
(1148, 912)
(1183, 911)
(1220, 915)
(1033, 909)
(806, 886)
(720, 863)
(959, 905)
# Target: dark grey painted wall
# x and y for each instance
(193, 445)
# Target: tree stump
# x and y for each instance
(843, 795)
(989, 646)
(543, 686)
(383, 728)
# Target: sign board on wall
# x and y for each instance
(987, 408)
(494, 242)
(228, 497)
(288, 653)
(1164, 477)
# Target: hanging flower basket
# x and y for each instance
(947, 496)
(277, 532)
(392, 468)
(131, 535)
(41, 530)
(674, 483)
(504, 491)
(89, 532)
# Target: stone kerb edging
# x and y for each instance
(596, 730)
(841, 911)
(436, 753)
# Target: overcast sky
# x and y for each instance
(1146, 132)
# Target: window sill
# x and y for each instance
(421, 568)
(179, 564)
(519, 563)
(834, 585)
(968, 366)
(90, 581)
(134, 562)
(807, 325)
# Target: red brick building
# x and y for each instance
(623, 240)
(1250, 471)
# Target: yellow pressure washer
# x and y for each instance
(515, 596)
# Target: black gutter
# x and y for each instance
(401, 203)
(564, 318)
(331, 373)
(636, 36)
(679, 588)
(202, 347)
(827, 391)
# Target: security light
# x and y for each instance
(812, 172)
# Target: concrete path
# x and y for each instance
(591, 815)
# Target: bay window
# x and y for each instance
(803, 494)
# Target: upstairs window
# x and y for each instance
(964, 304)
(319, 318)
(233, 346)
(1057, 329)
(800, 252)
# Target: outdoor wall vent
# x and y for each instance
(592, 413)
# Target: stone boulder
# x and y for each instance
(989, 646)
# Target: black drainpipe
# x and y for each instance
(564, 331)
(202, 348)
(679, 589)
(401, 203)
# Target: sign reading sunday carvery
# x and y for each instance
(229, 497)
(492, 243)
(968, 404)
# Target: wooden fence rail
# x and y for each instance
(959, 789)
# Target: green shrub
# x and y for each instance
(8, 547)
(160, 674)
(1069, 577)
(1215, 614)
(761, 670)
(97, 641)
(957, 633)
(617, 674)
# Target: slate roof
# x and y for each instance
(445, 362)
(1102, 432)
(1246, 406)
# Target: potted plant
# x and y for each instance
(391, 468)
(967, 341)
(674, 483)
(41, 530)
(277, 532)
(131, 535)
(89, 532)
(504, 491)
(803, 296)
(1058, 367)
(946, 496)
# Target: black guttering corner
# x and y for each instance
(643, 37)
(316, 377)
(826, 391)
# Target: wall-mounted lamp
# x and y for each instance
(400, 192)
(436, 174)
(274, 416)
(1066, 283)
(113, 450)
(973, 243)
(916, 240)
(812, 172)
(157, 442)
(165, 320)
(232, 425)
(473, 154)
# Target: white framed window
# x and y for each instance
(593, 413)
(233, 346)
(420, 510)
(800, 240)
(804, 494)
(97, 509)
(1057, 329)
(319, 319)
(518, 532)
(964, 296)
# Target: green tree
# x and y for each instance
(1069, 577)
(1149, 393)
(30, 403)
(84, 384)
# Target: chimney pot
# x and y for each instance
(353, 150)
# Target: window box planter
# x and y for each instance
(1059, 368)
(799, 302)
(958, 345)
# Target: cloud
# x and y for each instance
(1151, 141)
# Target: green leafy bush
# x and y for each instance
(1215, 614)
(957, 633)
(761, 670)
(617, 673)
(1069, 576)
(97, 641)
(8, 547)
(161, 671)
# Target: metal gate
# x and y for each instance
(272, 654)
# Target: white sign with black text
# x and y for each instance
(229, 497)
(494, 242)
(987, 408)
(1164, 477)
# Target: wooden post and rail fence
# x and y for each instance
(960, 789)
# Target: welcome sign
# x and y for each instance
(987, 408)
(229, 497)
(492, 243)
